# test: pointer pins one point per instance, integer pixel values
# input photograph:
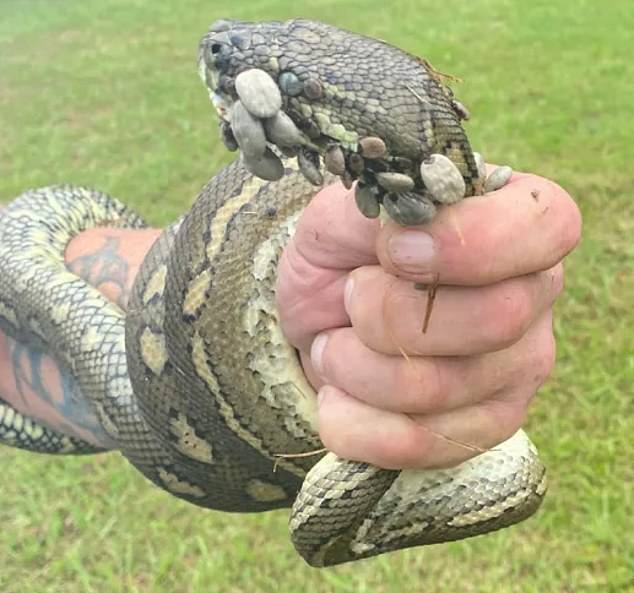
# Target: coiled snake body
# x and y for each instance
(196, 383)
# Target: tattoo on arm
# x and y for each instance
(106, 268)
(33, 382)
(40, 388)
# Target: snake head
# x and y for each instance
(364, 109)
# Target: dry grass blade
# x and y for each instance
(432, 289)
(297, 455)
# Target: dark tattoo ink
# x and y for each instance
(75, 416)
(104, 266)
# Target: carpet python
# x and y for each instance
(196, 383)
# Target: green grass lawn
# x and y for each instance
(105, 92)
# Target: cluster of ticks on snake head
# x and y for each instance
(251, 105)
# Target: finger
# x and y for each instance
(527, 226)
(423, 385)
(332, 233)
(469, 430)
(491, 420)
(388, 314)
(331, 237)
(355, 430)
(309, 300)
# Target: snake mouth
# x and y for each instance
(221, 102)
(222, 106)
(213, 61)
(271, 107)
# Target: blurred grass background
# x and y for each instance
(106, 93)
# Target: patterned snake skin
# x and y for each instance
(196, 384)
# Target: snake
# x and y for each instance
(195, 382)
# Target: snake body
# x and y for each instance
(196, 384)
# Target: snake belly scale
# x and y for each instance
(196, 383)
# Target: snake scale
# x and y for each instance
(196, 383)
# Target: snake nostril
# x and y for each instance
(215, 48)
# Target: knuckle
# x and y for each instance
(571, 234)
(307, 298)
(366, 325)
(338, 349)
(407, 448)
(508, 417)
(557, 279)
(359, 300)
(417, 384)
(293, 287)
(294, 273)
(510, 314)
(568, 231)
(333, 437)
(334, 441)
(410, 449)
(544, 358)
(376, 309)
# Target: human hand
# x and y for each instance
(390, 394)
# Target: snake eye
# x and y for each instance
(218, 53)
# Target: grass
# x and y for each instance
(106, 93)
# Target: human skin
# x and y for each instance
(33, 382)
(389, 393)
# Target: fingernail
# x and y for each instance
(317, 353)
(347, 294)
(412, 251)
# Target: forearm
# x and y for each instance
(33, 382)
